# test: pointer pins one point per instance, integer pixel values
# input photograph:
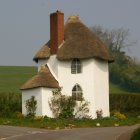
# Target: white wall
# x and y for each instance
(101, 86)
(84, 79)
(93, 81)
(52, 63)
(42, 95)
(46, 96)
(27, 94)
(41, 62)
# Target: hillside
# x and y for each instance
(12, 77)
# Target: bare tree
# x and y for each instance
(116, 39)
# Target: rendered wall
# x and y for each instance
(27, 94)
(101, 86)
(93, 81)
(42, 95)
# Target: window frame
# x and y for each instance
(76, 66)
(77, 93)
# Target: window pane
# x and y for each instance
(77, 93)
(76, 66)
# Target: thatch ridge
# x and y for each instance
(44, 78)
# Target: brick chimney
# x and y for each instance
(56, 30)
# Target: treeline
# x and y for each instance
(10, 103)
(125, 71)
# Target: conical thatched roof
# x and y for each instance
(79, 42)
(44, 78)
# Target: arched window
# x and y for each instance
(77, 93)
(76, 66)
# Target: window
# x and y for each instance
(76, 66)
(77, 93)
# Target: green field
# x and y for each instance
(12, 77)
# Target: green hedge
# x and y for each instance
(10, 103)
(125, 102)
(136, 134)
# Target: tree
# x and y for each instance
(116, 39)
(126, 70)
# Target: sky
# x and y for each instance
(25, 24)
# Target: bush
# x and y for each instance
(62, 106)
(119, 115)
(136, 134)
(10, 103)
(65, 107)
(31, 105)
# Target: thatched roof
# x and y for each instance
(43, 53)
(79, 42)
(44, 78)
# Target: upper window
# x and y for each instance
(76, 66)
(77, 93)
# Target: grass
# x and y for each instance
(116, 89)
(12, 77)
(48, 123)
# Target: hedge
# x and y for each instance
(11, 103)
(125, 102)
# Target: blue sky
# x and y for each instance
(24, 24)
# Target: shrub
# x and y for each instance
(37, 118)
(18, 115)
(65, 107)
(119, 115)
(31, 105)
(81, 109)
(136, 134)
(9, 103)
(62, 106)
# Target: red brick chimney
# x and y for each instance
(56, 30)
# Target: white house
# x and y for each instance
(75, 59)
